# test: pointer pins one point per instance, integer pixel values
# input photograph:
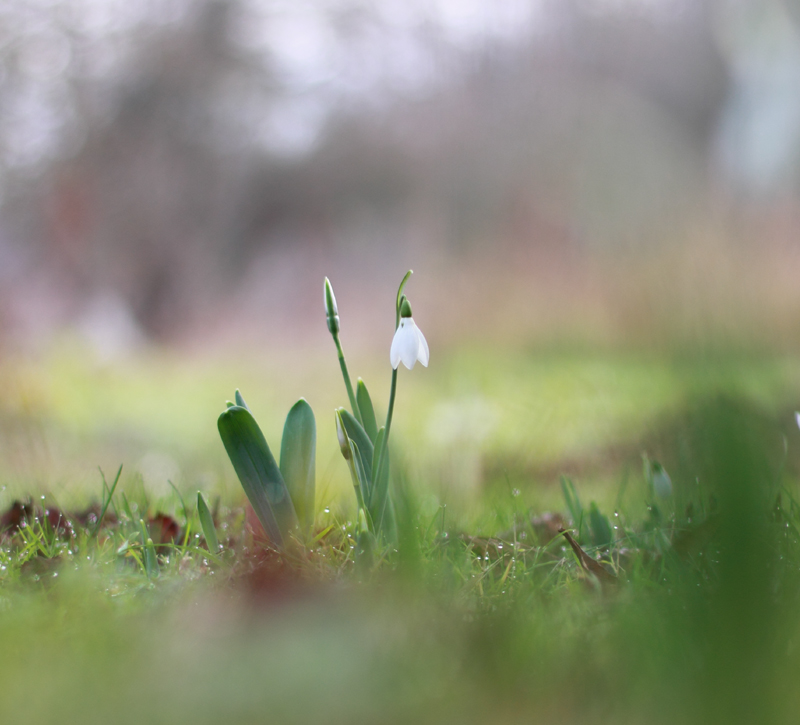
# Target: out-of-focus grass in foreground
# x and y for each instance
(472, 618)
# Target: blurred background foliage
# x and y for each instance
(602, 170)
(600, 199)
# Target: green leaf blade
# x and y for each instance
(355, 431)
(367, 411)
(298, 461)
(258, 472)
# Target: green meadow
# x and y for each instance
(479, 611)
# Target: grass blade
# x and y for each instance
(106, 501)
(207, 524)
(573, 502)
(126, 507)
(182, 503)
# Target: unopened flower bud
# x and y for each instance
(344, 441)
(331, 310)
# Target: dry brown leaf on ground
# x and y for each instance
(592, 566)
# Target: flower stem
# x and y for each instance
(347, 383)
(383, 457)
(362, 506)
(389, 412)
(356, 484)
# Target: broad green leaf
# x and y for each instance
(355, 431)
(207, 524)
(367, 411)
(298, 452)
(258, 472)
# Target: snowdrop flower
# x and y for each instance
(409, 344)
(797, 418)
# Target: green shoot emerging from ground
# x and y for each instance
(282, 496)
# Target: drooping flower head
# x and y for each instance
(409, 344)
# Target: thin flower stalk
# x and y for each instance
(332, 314)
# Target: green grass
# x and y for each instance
(470, 618)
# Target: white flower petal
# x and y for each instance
(409, 343)
(424, 354)
(395, 352)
